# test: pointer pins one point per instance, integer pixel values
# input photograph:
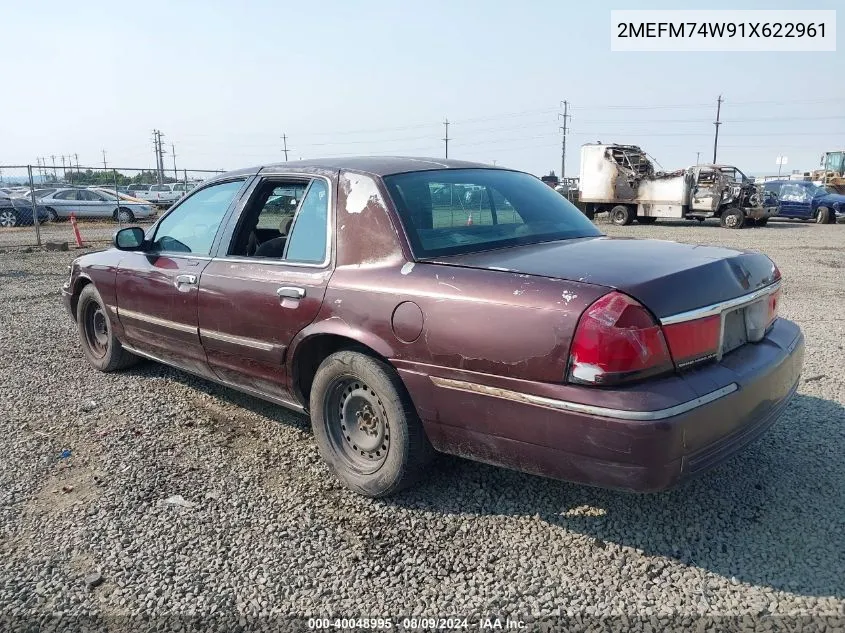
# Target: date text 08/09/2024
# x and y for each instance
(415, 624)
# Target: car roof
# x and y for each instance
(375, 165)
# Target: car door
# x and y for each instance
(794, 201)
(157, 287)
(66, 202)
(253, 299)
(94, 204)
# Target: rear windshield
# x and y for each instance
(453, 211)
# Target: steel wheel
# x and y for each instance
(8, 218)
(96, 325)
(356, 422)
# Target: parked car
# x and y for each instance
(89, 203)
(18, 211)
(137, 190)
(524, 338)
(162, 195)
(804, 200)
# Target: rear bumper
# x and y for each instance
(644, 438)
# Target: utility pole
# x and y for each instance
(64, 170)
(159, 152)
(285, 148)
(175, 173)
(565, 116)
(76, 158)
(697, 157)
(446, 138)
(53, 156)
(105, 166)
(717, 123)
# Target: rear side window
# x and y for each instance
(455, 211)
(309, 233)
(66, 195)
(191, 226)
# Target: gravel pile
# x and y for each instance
(149, 499)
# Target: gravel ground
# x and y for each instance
(182, 503)
(92, 232)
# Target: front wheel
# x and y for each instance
(732, 218)
(823, 215)
(365, 425)
(54, 217)
(621, 215)
(99, 344)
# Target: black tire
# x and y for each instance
(353, 387)
(642, 219)
(823, 215)
(749, 222)
(762, 221)
(100, 345)
(620, 215)
(590, 212)
(124, 215)
(732, 218)
(8, 218)
(54, 217)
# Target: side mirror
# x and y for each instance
(129, 239)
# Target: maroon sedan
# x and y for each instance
(412, 306)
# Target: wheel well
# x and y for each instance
(74, 299)
(313, 351)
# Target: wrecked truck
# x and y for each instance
(621, 180)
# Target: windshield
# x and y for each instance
(453, 211)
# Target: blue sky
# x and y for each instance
(224, 81)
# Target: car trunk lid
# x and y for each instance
(667, 277)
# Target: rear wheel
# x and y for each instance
(621, 215)
(365, 425)
(642, 219)
(100, 345)
(124, 215)
(732, 218)
(8, 218)
(823, 215)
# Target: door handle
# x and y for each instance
(290, 292)
(185, 280)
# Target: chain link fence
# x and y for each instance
(42, 205)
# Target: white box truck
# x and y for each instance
(621, 180)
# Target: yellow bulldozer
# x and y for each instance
(832, 172)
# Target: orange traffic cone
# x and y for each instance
(469, 220)
(76, 234)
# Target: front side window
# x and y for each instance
(191, 226)
(455, 211)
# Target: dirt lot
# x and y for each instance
(261, 532)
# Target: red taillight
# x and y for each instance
(774, 304)
(617, 340)
(693, 341)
